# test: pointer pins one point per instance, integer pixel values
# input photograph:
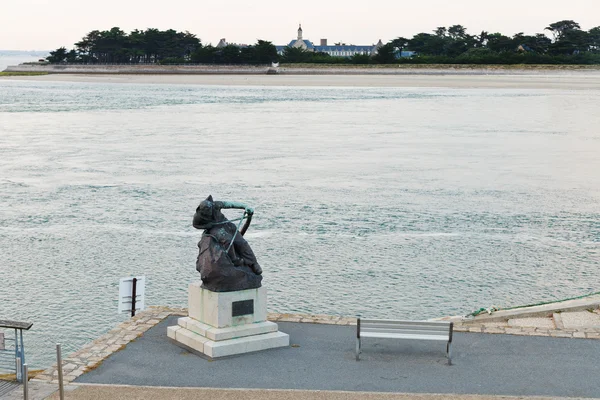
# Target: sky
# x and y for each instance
(49, 24)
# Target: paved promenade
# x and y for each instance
(547, 350)
(322, 358)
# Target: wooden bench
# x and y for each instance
(417, 330)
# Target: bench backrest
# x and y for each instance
(422, 328)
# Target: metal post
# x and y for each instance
(133, 294)
(18, 369)
(61, 388)
(22, 347)
(357, 339)
(25, 382)
(18, 358)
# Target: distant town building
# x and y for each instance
(337, 50)
(405, 54)
(223, 43)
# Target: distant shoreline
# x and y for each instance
(560, 80)
(300, 69)
(564, 77)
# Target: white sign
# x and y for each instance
(126, 290)
(2, 341)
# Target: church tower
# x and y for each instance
(300, 32)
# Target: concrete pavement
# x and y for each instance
(322, 358)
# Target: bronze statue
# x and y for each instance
(226, 262)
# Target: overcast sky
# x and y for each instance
(48, 24)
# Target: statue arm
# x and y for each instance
(238, 205)
(234, 204)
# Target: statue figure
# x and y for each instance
(226, 262)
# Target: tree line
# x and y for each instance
(567, 44)
(154, 46)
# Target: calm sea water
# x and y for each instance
(382, 202)
(6, 60)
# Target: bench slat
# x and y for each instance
(404, 322)
(404, 336)
(407, 331)
(366, 327)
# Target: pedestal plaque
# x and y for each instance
(226, 323)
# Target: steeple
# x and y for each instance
(300, 32)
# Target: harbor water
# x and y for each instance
(378, 202)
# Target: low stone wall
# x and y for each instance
(579, 319)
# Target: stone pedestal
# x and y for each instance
(226, 323)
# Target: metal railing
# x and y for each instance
(12, 358)
(12, 351)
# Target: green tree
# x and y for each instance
(559, 28)
(135, 46)
(441, 31)
(499, 43)
(296, 55)
(229, 54)
(459, 41)
(386, 54)
(57, 56)
(427, 44)
(361, 59)
(482, 39)
(111, 44)
(87, 47)
(204, 55)
(457, 32)
(571, 42)
(539, 43)
(188, 43)
(400, 43)
(594, 38)
(265, 52)
(71, 57)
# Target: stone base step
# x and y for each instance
(232, 332)
(228, 347)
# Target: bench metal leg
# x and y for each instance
(449, 352)
(357, 348)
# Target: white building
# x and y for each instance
(336, 50)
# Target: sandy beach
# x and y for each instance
(572, 80)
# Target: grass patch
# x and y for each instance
(22, 73)
(32, 373)
(92, 367)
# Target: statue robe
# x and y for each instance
(223, 271)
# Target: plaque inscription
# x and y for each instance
(242, 308)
